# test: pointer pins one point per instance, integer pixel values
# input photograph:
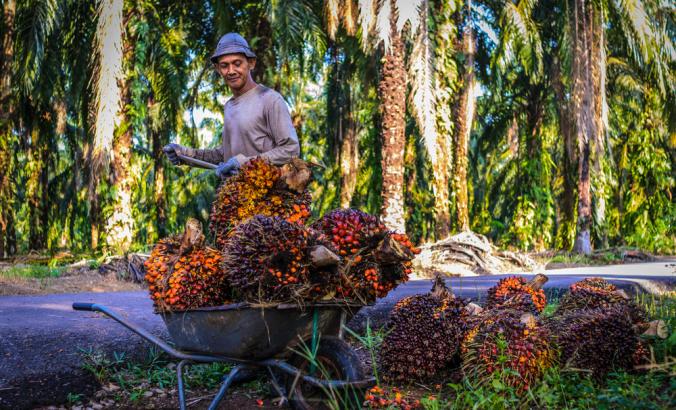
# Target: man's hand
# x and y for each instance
(172, 150)
(228, 168)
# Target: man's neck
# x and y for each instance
(250, 84)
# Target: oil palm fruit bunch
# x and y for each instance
(260, 188)
(518, 294)
(599, 340)
(268, 259)
(509, 344)
(426, 331)
(591, 293)
(183, 274)
(375, 260)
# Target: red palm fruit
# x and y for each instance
(518, 294)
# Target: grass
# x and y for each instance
(134, 378)
(602, 258)
(31, 272)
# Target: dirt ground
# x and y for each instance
(74, 280)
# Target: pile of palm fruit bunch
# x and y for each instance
(375, 260)
(182, 273)
(260, 188)
(424, 334)
(264, 252)
(268, 259)
(598, 328)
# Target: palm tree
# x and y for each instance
(6, 112)
(112, 140)
(465, 117)
(392, 91)
(444, 84)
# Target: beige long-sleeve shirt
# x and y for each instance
(257, 123)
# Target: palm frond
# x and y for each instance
(109, 72)
(35, 21)
(423, 97)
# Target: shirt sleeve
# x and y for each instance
(283, 133)
(213, 155)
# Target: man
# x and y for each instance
(256, 118)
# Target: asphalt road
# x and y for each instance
(42, 340)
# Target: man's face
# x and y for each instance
(235, 69)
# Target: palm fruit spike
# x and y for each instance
(518, 294)
(598, 340)
(183, 274)
(260, 188)
(426, 331)
(591, 293)
(269, 260)
(507, 339)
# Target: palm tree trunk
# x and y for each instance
(33, 189)
(120, 227)
(465, 116)
(349, 152)
(567, 200)
(598, 74)
(445, 78)
(584, 118)
(6, 163)
(159, 182)
(392, 90)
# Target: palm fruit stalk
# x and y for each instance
(260, 188)
(510, 344)
(184, 274)
(426, 331)
(375, 260)
(270, 260)
(518, 294)
(598, 340)
(592, 293)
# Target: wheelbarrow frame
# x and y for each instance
(270, 364)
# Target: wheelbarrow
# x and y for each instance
(270, 338)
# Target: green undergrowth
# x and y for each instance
(600, 258)
(31, 272)
(135, 377)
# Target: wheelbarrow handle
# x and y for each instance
(95, 307)
(88, 307)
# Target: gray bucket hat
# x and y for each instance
(232, 43)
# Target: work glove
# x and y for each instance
(172, 149)
(227, 168)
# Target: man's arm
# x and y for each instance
(283, 134)
(213, 155)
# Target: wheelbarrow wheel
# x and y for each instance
(335, 360)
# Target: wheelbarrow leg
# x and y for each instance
(179, 376)
(227, 381)
(277, 386)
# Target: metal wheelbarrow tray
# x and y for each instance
(251, 336)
